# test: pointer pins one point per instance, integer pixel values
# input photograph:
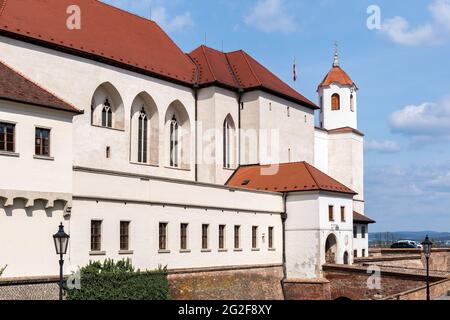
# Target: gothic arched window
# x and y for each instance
(107, 114)
(335, 102)
(227, 144)
(142, 136)
(174, 142)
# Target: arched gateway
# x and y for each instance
(331, 249)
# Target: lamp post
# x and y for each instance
(61, 240)
(427, 244)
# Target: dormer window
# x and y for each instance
(335, 102)
(107, 114)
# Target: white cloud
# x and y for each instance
(386, 146)
(271, 16)
(398, 29)
(423, 122)
(158, 13)
(176, 23)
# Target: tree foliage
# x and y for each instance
(120, 281)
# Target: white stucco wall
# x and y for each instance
(345, 117)
(23, 171)
(360, 243)
(307, 228)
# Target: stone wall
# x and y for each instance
(437, 290)
(307, 289)
(234, 283)
(29, 289)
(352, 282)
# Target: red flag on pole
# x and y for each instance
(295, 71)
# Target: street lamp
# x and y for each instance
(61, 240)
(427, 244)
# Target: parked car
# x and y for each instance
(406, 244)
(415, 243)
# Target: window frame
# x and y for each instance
(5, 138)
(41, 147)
(335, 98)
(97, 236)
(222, 237)
(127, 235)
(331, 213)
(142, 137)
(355, 232)
(174, 142)
(205, 236)
(255, 241)
(363, 232)
(343, 214)
(270, 237)
(184, 236)
(237, 237)
(163, 245)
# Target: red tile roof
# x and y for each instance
(106, 32)
(15, 87)
(239, 70)
(359, 218)
(336, 75)
(297, 176)
(342, 130)
(117, 37)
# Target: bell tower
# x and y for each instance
(337, 98)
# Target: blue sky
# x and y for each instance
(402, 69)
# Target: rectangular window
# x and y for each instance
(205, 228)
(222, 237)
(254, 237)
(42, 142)
(271, 238)
(237, 240)
(96, 235)
(355, 232)
(331, 213)
(183, 236)
(355, 253)
(124, 235)
(7, 136)
(363, 232)
(363, 253)
(163, 236)
(343, 214)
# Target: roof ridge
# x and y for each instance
(124, 11)
(250, 67)
(312, 176)
(235, 77)
(39, 86)
(202, 47)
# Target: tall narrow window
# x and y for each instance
(342, 214)
(355, 253)
(355, 232)
(271, 238)
(205, 228)
(163, 236)
(124, 235)
(42, 142)
(142, 139)
(174, 142)
(7, 137)
(96, 235)
(363, 232)
(352, 103)
(335, 102)
(183, 236)
(363, 254)
(222, 237)
(331, 213)
(237, 240)
(226, 144)
(254, 237)
(107, 114)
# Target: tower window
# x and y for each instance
(352, 104)
(335, 102)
